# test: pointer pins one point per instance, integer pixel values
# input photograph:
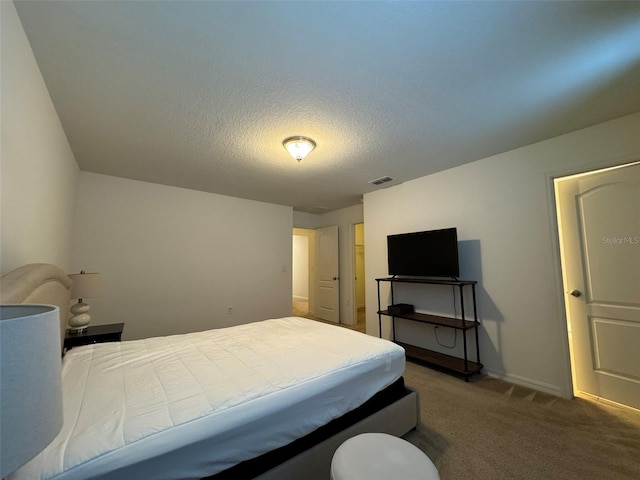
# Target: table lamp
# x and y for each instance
(85, 285)
(30, 382)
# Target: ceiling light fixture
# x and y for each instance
(299, 147)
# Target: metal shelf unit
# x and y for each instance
(463, 366)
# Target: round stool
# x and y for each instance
(378, 456)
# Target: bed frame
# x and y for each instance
(394, 410)
(39, 283)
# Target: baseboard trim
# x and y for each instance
(527, 382)
(605, 401)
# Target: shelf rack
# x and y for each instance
(463, 366)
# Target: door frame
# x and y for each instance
(569, 389)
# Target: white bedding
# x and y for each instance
(188, 406)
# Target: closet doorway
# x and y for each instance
(359, 295)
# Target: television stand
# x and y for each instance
(463, 366)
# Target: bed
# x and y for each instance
(270, 399)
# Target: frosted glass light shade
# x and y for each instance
(30, 382)
(299, 147)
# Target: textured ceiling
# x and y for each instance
(201, 94)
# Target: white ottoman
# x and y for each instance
(378, 456)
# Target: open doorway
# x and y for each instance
(303, 273)
(359, 302)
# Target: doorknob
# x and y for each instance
(575, 293)
(336, 278)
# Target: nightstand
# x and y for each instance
(93, 334)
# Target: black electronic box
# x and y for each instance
(400, 309)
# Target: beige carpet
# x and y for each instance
(488, 429)
(300, 308)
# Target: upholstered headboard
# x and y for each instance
(39, 283)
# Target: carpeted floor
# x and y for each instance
(489, 429)
(300, 308)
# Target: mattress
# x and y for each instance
(188, 406)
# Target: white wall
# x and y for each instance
(174, 260)
(345, 219)
(503, 209)
(306, 220)
(38, 170)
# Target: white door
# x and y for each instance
(328, 296)
(599, 221)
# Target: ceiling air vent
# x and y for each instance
(380, 181)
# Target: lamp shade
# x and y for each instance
(86, 285)
(30, 382)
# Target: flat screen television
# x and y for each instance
(432, 253)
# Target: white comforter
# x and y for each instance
(187, 406)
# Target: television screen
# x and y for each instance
(433, 253)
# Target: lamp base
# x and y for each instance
(77, 331)
(81, 318)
